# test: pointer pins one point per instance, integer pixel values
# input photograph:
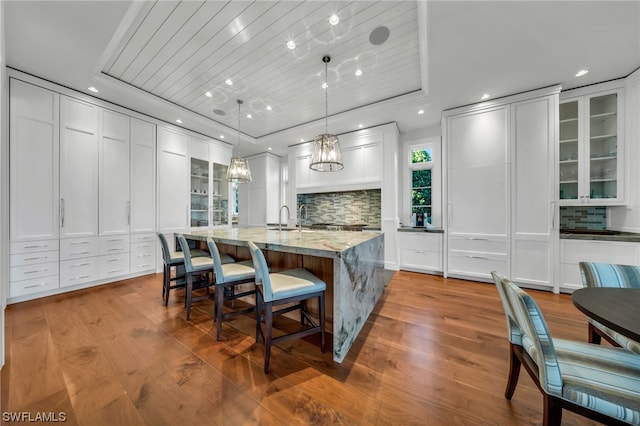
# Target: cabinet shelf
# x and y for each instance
(198, 210)
(568, 161)
(596, 138)
(569, 141)
(203, 177)
(605, 114)
(200, 194)
(569, 120)
(603, 158)
(564, 182)
(603, 180)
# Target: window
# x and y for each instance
(421, 192)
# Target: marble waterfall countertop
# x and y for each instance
(353, 269)
(310, 242)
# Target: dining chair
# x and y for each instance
(610, 275)
(171, 259)
(601, 383)
(227, 277)
(197, 271)
(285, 287)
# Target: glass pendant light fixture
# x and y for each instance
(327, 156)
(238, 170)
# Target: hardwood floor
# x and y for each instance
(433, 352)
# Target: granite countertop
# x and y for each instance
(576, 234)
(312, 242)
(420, 229)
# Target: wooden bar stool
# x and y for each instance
(227, 277)
(273, 289)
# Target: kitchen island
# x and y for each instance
(351, 263)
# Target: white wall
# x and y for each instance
(627, 217)
(4, 183)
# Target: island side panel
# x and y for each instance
(358, 285)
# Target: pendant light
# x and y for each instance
(238, 170)
(327, 156)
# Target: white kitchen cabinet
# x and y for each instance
(572, 252)
(143, 173)
(79, 260)
(420, 251)
(478, 191)
(501, 189)
(143, 252)
(78, 168)
(33, 267)
(263, 192)
(173, 180)
(591, 148)
(534, 211)
(115, 207)
(34, 158)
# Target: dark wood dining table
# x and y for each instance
(616, 308)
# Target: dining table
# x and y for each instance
(615, 308)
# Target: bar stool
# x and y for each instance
(196, 269)
(273, 289)
(227, 277)
(171, 259)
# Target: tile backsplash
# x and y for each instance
(583, 218)
(349, 207)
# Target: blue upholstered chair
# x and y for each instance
(285, 287)
(610, 275)
(227, 277)
(197, 274)
(598, 382)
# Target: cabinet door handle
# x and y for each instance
(36, 258)
(80, 277)
(115, 260)
(477, 239)
(62, 212)
(77, 253)
(80, 264)
(77, 243)
(128, 213)
(36, 246)
(477, 257)
(187, 210)
(553, 215)
(35, 271)
(114, 240)
(449, 214)
(36, 285)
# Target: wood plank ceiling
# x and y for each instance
(179, 51)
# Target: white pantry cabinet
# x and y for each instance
(173, 181)
(78, 168)
(115, 207)
(501, 189)
(591, 147)
(34, 163)
(263, 200)
(143, 172)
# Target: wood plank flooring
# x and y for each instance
(433, 352)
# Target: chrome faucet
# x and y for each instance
(284, 206)
(302, 206)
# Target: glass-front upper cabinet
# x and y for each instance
(591, 147)
(199, 193)
(219, 196)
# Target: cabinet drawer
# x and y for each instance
(113, 244)
(420, 241)
(26, 272)
(599, 251)
(33, 258)
(75, 248)
(477, 265)
(78, 271)
(143, 238)
(33, 246)
(35, 285)
(421, 259)
(114, 265)
(143, 256)
(479, 244)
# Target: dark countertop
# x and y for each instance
(630, 237)
(421, 229)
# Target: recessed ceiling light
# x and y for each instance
(358, 73)
(334, 19)
(219, 112)
(221, 136)
(291, 44)
(485, 96)
(581, 73)
(179, 121)
(421, 112)
(301, 140)
(269, 108)
(208, 94)
(360, 126)
(93, 89)
(249, 116)
(269, 149)
(325, 85)
(229, 82)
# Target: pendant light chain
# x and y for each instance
(326, 95)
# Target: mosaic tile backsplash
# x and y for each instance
(583, 218)
(349, 207)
